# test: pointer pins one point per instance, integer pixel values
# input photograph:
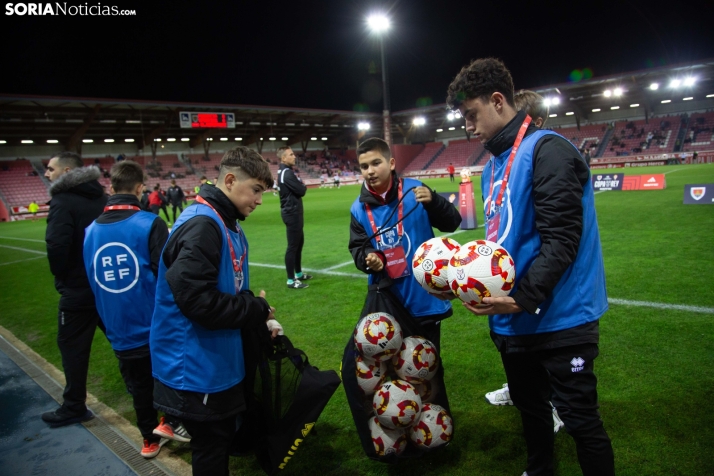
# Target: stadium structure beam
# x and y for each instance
(75, 140)
(198, 140)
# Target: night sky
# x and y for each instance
(320, 54)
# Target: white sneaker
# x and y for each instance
(557, 422)
(500, 397)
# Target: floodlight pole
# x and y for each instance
(385, 94)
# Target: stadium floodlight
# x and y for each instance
(614, 108)
(654, 86)
(108, 141)
(617, 92)
(607, 93)
(463, 127)
(363, 126)
(675, 83)
(86, 141)
(171, 139)
(689, 81)
(3, 142)
(554, 101)
(132, 140)
(239, 138)
(596, 110)
(185, 139)
(226, 138)
(450, 116)
(419, 121)
(440, 130)
(710, 95)
(378, 22)
(52, 141)
(27, 141)
(688, 99)
(547, 102)
(313, 138)
(666, 101)
(634, 105)
(452, 128)
(211, 138)
(553, 115)
(569, 113)
(324, 138)
(283, 138)
(158, 139)
(270, 138)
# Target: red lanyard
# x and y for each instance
(237, 265)
(507, 173)
(121, 207)
(400, 227)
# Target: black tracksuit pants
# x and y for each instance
(135, 368)
(75, 332)
(565, 376)
(296, 240)
(210, 445)
(173, 209)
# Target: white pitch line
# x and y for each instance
(658, 305)
(21, 261)
(21, 239)
(24, 249)
(339, 265)
(321, 271)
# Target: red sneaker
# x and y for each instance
(177, 433)
(150, 450)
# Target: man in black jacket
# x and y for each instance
(291, 192)
(176, 198)
(547, 330)
(77, 199)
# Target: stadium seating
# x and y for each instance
(588, 136)
(19, 188)
(420, 161)
(460, 153)
(700, 133)
(630, 137)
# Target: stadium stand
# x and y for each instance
(18, 184)
(419, 162)
(638, 137)
(461, 153)
(700, 133)
(588, 136)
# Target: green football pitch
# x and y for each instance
(656, 364)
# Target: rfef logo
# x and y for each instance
(116, 268)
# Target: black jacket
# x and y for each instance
(77, 200)
(559, 175)
(291, 192)
(175, 195)
(192, 257)
(159, 231)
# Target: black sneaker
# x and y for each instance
(297, 285)
(305, 277)
(62, 417)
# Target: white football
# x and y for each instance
(424, 390)
(386, 441)
(396, 404)
(481, 269)
(370, 374)
(434, 427)
(378, 336)
(431, 264)
(417, 360)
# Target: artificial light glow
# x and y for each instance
(363, 126)
(171, 139)
(569, 113)
(226, 138)
(3, 142)
(687, 99)
(666, 101)
(440, 130)
(450, 116)
(675, 83)
(157, 140)
(463, 127)
(554, 101)
(283, 138)
(270, 138)
(313, 138)
(239, 138)
(634, 105)
(547, 102)
(132, 140)
(87, 141)
(419, 121)
(607, 93)
(614, 107)
(378, 23)
(689, 81)
(553, 115)
(596, 110)
(52, 141)
(27, 142)
(185, 139)
(109, 141)
(617, 92)
(654, 86)
(452, 128)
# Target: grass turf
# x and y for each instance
(655, 366)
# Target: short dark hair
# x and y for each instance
(531, 102)
(375, 144)
(126, 175)
(480, 79)
(68, 159)
(282, 150)
(249, 163)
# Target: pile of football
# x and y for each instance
(395, 371)
(472, 271)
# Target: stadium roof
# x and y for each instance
(70, 120)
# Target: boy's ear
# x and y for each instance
(392, 163)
